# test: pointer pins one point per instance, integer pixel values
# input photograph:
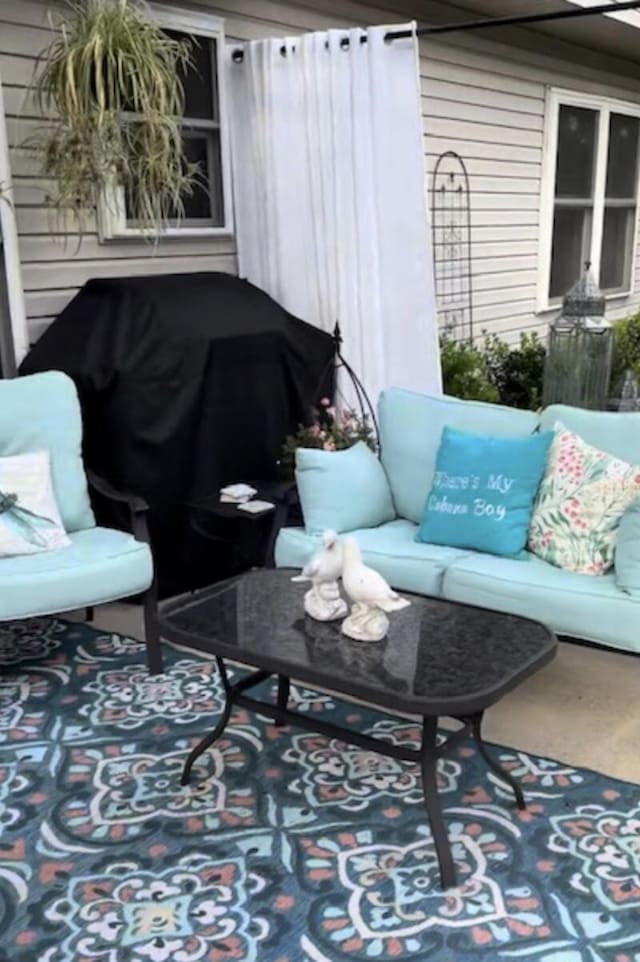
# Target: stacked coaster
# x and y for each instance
(242, 495)
(237, 493)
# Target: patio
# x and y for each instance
(309, 485)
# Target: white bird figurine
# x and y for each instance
(372, 597)
(322, 601)
(326, 564)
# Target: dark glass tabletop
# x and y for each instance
(439, 657)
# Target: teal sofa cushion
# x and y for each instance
(99, 565)
(410, 429)
(568, 603)
(617, 433)
(342, 490)
(391, 549)
(483, 491)
(42, 413)
(627, 556)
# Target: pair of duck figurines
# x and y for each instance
(370, 595)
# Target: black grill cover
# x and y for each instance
(186, 381)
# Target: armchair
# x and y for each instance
(42, 412)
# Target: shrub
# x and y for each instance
(494, 371)
(517, 371)
(627, 350)
(464, 371)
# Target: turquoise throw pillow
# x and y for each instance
(342, 490)
(483, 491)
(627, 556)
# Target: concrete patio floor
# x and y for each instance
(581, 709)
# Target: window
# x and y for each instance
(590, 191)
(208, 210)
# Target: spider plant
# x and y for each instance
(110, 86)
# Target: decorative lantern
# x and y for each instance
(630, 393)
(579, 349)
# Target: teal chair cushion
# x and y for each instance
(99, 565)
(410, 430)
(571, 604)
(617, 433)
(42, 413)
(391, 549)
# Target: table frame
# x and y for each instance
(426, 756)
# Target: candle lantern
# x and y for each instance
(579, 349)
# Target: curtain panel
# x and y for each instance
(330, 195)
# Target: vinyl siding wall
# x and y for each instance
(482, 99)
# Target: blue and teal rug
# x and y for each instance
(288, 847)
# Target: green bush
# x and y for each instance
(494, 371)
(626, 351)
(517, 371)
(464, 371)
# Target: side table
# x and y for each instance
(219, 520)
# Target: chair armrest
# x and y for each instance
(136, 504)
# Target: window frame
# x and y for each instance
(111, 213)
(605, 106)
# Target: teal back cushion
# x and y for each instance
(42, 413)
(617, 433)
(483, 491)
(342, 490)
(410, 430)
(627, 557)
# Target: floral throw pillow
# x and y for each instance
(29, 516)
(580, 503)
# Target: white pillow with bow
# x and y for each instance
(29, 517)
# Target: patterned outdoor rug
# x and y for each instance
(288, 847)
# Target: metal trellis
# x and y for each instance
(451, 231)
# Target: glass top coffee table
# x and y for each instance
(439, 659)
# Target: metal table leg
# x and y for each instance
(429, 763)
(284, 686)
(208, 741)
(427, 756)
(476, 728)
(232, 694)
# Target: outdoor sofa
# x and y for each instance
(586, 607)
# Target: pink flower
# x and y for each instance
(331, 411)
(325, 402)
(329, 445)
(315, 430)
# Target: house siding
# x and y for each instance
(483, 99)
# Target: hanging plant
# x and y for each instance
(110, 86)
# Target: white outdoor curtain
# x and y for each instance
(329, 193)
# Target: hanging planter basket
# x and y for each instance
(110, 87)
